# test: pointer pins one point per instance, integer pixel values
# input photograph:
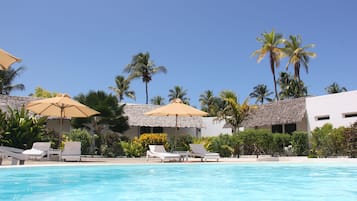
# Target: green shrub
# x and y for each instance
(182, 142)
(153, 138)
(256, 141)
(299, 141)
(328, 141)
(111, 146)
(280, 141)
(223, 144)
(133, 148)
(351, 140)
(19, 129)
(81, 135)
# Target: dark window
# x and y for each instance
(157, 130)
(320, 118)
(277, 128)
(145, 129)
(290, 128)
(349, 115)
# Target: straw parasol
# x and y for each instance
(6, 59)
(178, 109)
(60, 106)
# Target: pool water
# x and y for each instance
(259, 181)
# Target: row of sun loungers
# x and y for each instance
(197, 150)
(39, 150)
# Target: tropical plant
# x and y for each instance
(179, 92)
(42, 93)
(7, 77)
(82, 136)
(158, 100)
(132, 148)
(351, 140)
(299, 142)
(142, 67)
(122, 88)
(270, 42)
(335, 88)
(20, 129)
(297, 54)
(233, 112)
(328, 141)
(210, 103)
(110, 145)
(111, 113)
(290, 87)
(261, 93)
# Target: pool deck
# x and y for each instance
(87, 160)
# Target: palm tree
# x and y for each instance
(290, 87)
(122, 88)
(158, 100)
(297, 54)
(179, 92)
(261, 93)
(335, 88)
(210, 103)
(7, 78)
(233, 113)
(142, 67)
(270, 42)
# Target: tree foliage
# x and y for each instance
(7, 78)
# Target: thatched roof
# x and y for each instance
(14, 101)
(281, 112)
(135, 112)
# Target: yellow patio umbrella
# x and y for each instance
(6, 59)
(178, 109)
(60, 106)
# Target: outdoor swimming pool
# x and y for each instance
(258, 181)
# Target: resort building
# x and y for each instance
(284, 116)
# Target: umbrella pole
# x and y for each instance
(176, 127)
(61, 126)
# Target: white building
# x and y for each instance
(337, 109)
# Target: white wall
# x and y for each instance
(334, 106)
(213, 128)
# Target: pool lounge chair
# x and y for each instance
(71, 151)
(16, 155)
(158, 151)
(39, 150)
(198, 150)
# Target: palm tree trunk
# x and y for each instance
(272, 67)
(147, 93)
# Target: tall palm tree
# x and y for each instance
(261, 93)
(335, 88)
(158, 100)
(233, 113)
(210, 103)
(297, 54)
(179, 92)
(122, 88)
(270, 42)
(142, 67)
(7, 78)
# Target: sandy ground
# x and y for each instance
(87, 160)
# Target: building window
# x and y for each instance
(350, 115)
(290, 128)
(321, 118)
(145, 129)
(157, 130)
(277, 128)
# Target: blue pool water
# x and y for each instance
(268, 181)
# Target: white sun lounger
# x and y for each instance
(38, 150)
(16, 155)
(158, 151)
(198, 150)
(71, 151)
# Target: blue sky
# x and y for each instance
(77, 46)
